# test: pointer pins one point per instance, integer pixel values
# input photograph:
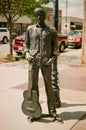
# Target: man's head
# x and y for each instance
(40, 14)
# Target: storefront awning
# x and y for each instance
(24, 19)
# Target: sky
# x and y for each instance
(74, 7)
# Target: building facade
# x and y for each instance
(49, 19)
(65, 24)
(71, 23)
(19, 26)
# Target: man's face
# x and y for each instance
(40, 17)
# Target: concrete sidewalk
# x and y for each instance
(73, 95)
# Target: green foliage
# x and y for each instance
(21, 7)
(13, 9)
(9, 57)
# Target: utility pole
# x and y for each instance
(66, 11)
(84, 36)
(55, 14)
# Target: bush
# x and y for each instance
(9, 57)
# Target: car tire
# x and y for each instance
(62, 47)
(5, 40)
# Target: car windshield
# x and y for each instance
(78, 33)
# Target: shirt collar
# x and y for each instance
(38, 26)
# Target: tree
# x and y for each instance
(13, 9)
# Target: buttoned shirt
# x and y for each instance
(41, 42)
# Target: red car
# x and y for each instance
(75, 38)
(18, 44)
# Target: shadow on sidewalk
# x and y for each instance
(72, 115)
(65, 116)
(83, 117)
(64, 105)
(46, 118)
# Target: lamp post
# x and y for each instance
(55, 84)
(55, 14)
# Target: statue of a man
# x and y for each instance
(41, 50)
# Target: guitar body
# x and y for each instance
(30, 105)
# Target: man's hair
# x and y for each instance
(40, 10)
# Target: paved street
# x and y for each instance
(69, 58)
(66, 59)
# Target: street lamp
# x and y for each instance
(55, 14)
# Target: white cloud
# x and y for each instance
(72, 9)
(75, 1)
(75, 12)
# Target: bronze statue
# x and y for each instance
(41, 51)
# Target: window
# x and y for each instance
(3, 30)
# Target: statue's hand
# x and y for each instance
(57, 53)
(50, 61)
(29, 58)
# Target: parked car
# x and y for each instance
(4, 35)
(18, 44)
(62, 42)
(75, 38)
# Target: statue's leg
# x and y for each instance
(46, 72)
(55, 84)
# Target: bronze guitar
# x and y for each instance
(30, 105)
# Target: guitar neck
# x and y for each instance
(29, 82)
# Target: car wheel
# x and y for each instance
(62, 47)
(5, 40)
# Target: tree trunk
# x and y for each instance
(10, 22)
(84, 36)
(11, 40)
